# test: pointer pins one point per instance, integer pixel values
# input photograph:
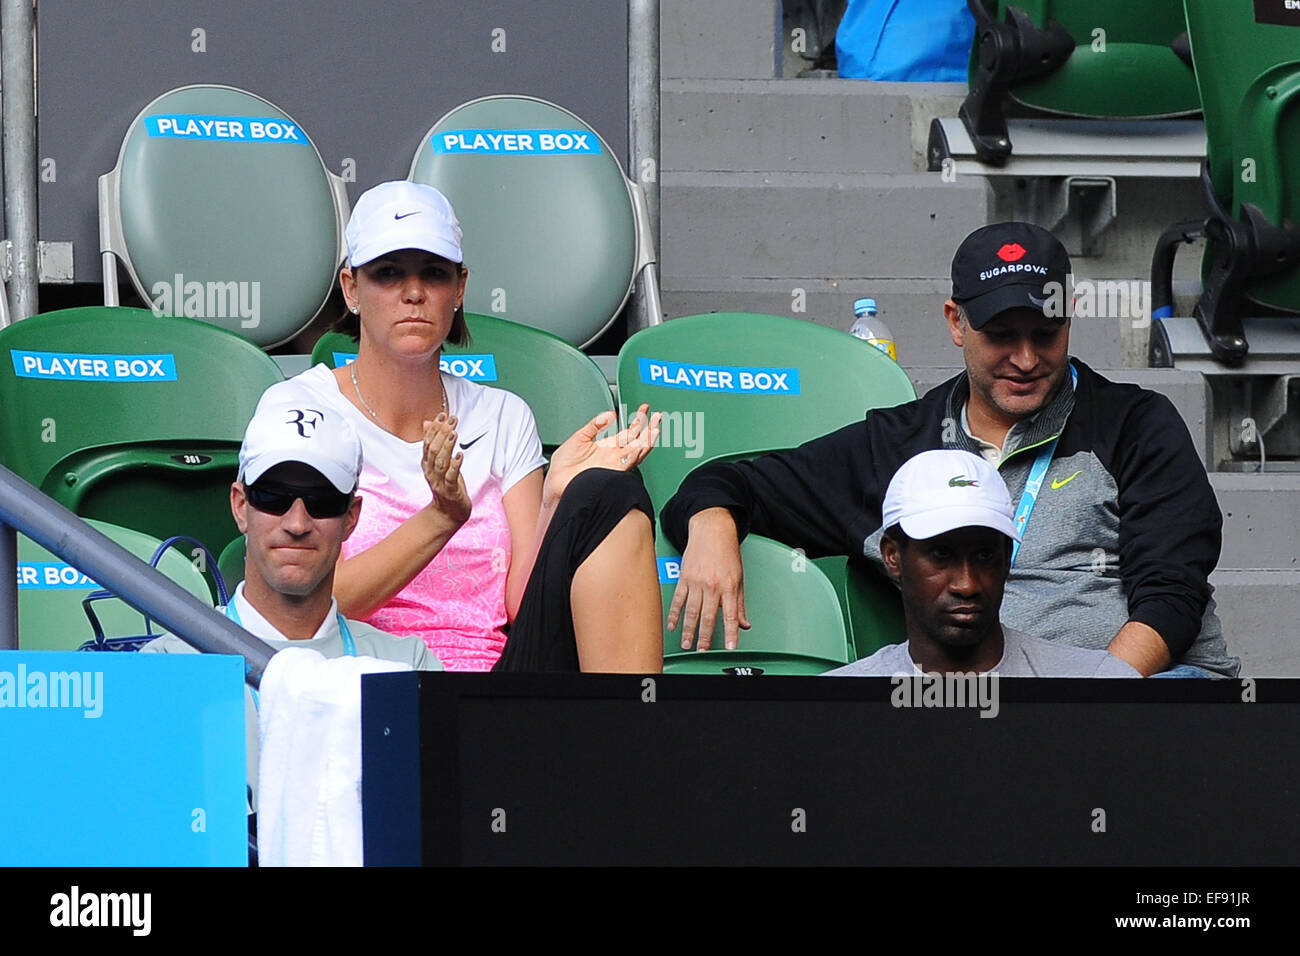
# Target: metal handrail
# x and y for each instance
(27, 509)
(645, 308)
(18, 127)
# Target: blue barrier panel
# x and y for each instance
(120, 759)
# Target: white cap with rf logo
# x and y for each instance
(299, 431)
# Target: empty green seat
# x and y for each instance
(221, 209)
(733, 385)
(870, 602)
(797, 624)
(131, 418)
(231, 562)
(1248, 69)
(1108, 59)
(50, 593)
(564, 388)
(555, 234)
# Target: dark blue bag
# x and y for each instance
(917, 40)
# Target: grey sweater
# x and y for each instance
(1022, 656)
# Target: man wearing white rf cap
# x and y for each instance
(294, 500)
(948, 540)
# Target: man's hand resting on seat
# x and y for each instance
(711, 575)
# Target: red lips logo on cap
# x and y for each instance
(1011, 252)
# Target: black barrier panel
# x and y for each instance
(365, 80)
(572, 769)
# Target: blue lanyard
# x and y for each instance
(1029, 497)
(345, 634)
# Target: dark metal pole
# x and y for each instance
(18, 79)
(56, 528)
(643, 141)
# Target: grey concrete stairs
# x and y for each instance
(1257, 583)
(796, 196)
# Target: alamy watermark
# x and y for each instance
(677, 429)
(954, 689)
(209, 300)
(1099, 299)
(75, 908)
(53, 690)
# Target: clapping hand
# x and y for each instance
(583, 450)
(442, 469)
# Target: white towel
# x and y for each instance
(309, 772)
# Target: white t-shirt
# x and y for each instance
(457, 603)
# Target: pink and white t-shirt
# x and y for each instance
(457, 603)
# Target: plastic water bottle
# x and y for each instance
(869, 326)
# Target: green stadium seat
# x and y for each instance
(870, 602)
(564, 388)
(801, 381)
(732, 385)
(1248, 70)
(1107, 59)
(50, 592)
(798, 628)
(555, 234)
(231, 562)
(233, 221)
(131, 418)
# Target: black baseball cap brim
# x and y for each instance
(1027, 296)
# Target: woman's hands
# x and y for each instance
(583, 450)
(441, 466)
(370, 579)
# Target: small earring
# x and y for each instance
(355, 310)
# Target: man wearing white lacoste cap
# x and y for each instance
(294, 500)
(948, 537)
(1121, 526)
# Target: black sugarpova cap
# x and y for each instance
(1009, 265)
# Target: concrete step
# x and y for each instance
(722, 38)
(1187, 390)
(1258, 610)
(912, 308)
(1261, 521)
(768, 225)
(800, 126)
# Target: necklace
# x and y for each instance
(352, 367)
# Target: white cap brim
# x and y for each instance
(396, 238)
(937, 521)
(259, 466)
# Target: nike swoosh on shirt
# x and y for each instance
(1061, 484)
(465, 444)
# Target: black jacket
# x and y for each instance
(1126, 526)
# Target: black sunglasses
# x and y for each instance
(277, 499)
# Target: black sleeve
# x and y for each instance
(819, 497)
(1170, 529)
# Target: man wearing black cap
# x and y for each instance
(1119, 523)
